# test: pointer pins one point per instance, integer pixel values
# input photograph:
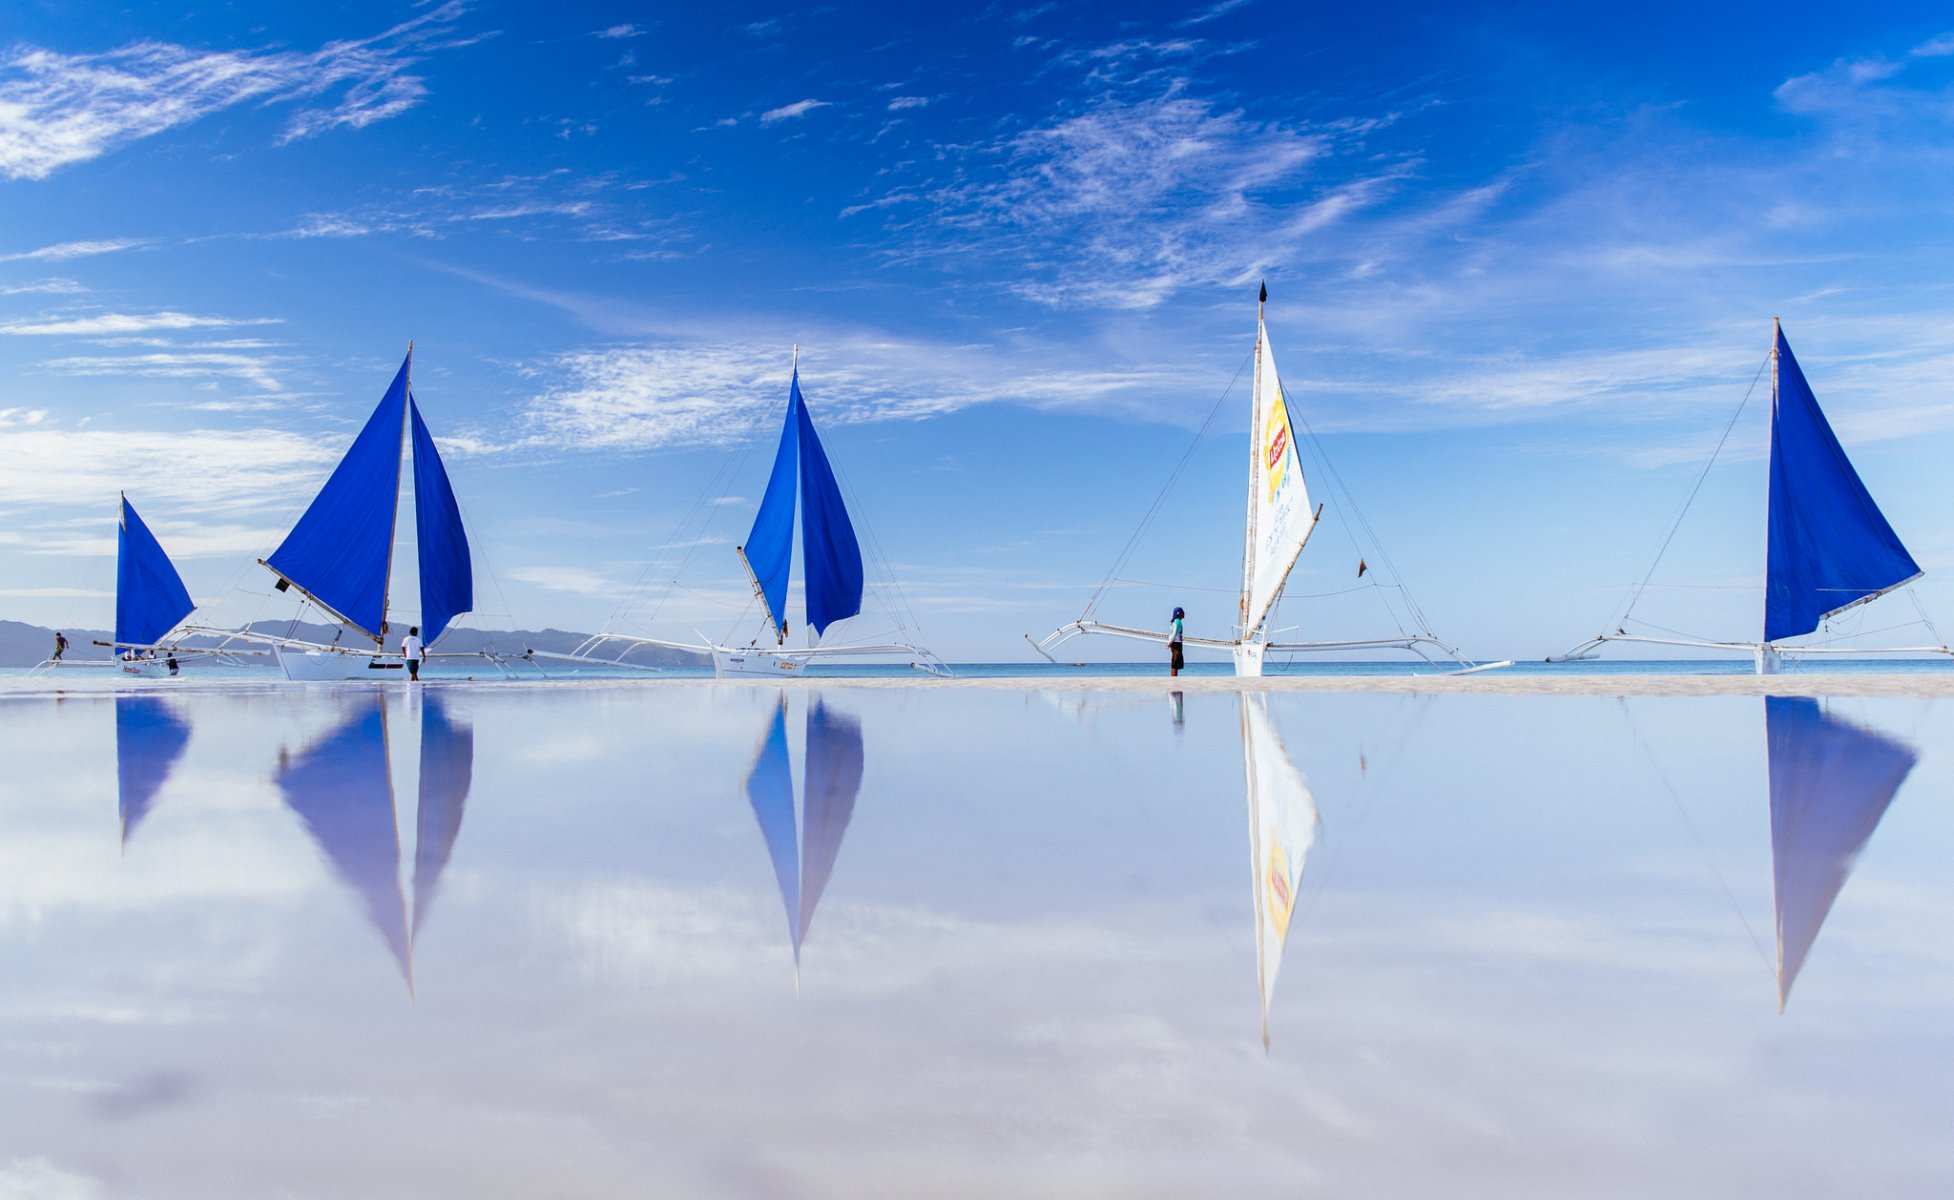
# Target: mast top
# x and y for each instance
(797, 357)
(1263, 298)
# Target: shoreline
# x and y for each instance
(1490, 683)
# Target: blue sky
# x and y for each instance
(1522, 263)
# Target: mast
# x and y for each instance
(393, 528)
(1254, 474)
(1777, 335)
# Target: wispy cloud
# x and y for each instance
(202, 470)
(900, 103)
(643, 397)
(259, 371)
(44, 287)
(620, 31)
(60, 109)
(118, 323)
(788, 112)
(67, 250)
(1130, 201)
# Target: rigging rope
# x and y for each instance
(1153, 510)
(1635, 597)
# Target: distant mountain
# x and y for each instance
(23, 645)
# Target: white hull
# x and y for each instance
(313, 666)
(751, 661)
(144, 668)
(1769, 661)
(1248, 659)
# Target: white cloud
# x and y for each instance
(44, 287)
(574, 580)
(902, 102)
(620, 31)
(787, 112)
(1131, 201)
(39, 1179)
(113, 323)
(64, 250)
(640, 397)
(59, 109)
(185, 364)
(198, 469)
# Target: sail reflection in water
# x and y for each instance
(149, 739)
(341, 786)
(1831, 782)
(804, 851)
(1282, 826)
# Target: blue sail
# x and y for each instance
(770, 789)
(342, 788)
(769, 545)
(149, 738)
(447, 770)
(149, 595)
(1831, 782)
(1829, 545)
(833, 779)
(447, 575)
(833, 557)
(340, 550)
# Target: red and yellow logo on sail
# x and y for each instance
(1279, 899)
(1275, 443)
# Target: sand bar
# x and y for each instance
(1491, 683)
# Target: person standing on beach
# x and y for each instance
(414, 652)
(60, 645)
(1174, 660)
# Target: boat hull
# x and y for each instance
(1248, 659)
(750, 662)
(315, 666)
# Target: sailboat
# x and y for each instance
(341, 788)
(804, 850)
(1828, 547)
(832, 572)
(1282, 826)
(1831, 782)
(150, 604)
(339, 556)
(1280, 519)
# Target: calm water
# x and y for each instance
(544, 942)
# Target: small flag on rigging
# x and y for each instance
(1361, 568)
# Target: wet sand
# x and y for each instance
(1493, 683)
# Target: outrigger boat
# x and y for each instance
(832, 573)
(1828, 547)
(339, 556)
(1279, 523)
(150, 606)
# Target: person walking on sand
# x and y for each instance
(414, 652)
(1174, 660)
(60, 645)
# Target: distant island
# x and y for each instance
(24, 645)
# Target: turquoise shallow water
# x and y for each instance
(848, 941)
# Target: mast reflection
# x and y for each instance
(149, 739)
(804, 851)
(1282, 826)
(1831, 782)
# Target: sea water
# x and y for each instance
(694, 940)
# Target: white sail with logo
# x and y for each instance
(1279, 514)
(1282, 823)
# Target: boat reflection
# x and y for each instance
(341, 787)
(1831, 781)
(1282, 826)
(804, 851)
(149, 739)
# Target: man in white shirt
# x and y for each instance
(415, 653)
